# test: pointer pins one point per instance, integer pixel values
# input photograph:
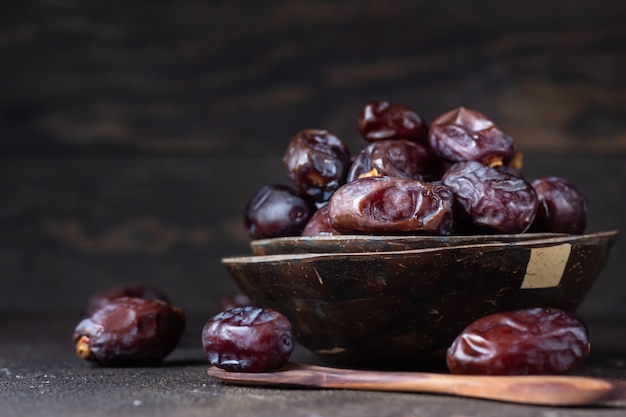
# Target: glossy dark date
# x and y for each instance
(391, 205)
(317, 162)
(562, 206)
(533, 341)
(319, 224)
(464, 134)
(248, 339)
(396, 158)
(462, 151)
(275, 211)
(490, 199)
(383, 120)
(229, 302)
(129, 331)
(99, 300)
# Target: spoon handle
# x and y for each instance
(527, 389)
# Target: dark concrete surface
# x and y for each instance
(40, 376)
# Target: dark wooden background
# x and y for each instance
(133, 132)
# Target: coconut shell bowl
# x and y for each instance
(392, 301)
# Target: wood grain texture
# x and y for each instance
(73, 225)
(225, 78)
(133, 133)
(527, 389)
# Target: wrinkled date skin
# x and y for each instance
(490, 199)
(464, 134)
(562, 207)
(396, 158)
(130, 331)
(248, 339)
(275, 211)
(103, 298)
(319, 224)
(383, 120)
(390, 205)
(523, 342)
(317, 162)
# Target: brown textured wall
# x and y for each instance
(132, 133)
(242, 77)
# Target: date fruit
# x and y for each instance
(319, 224)
(464, 134)
(396, 158)
(248, 339)
(562, 206)
(228, 302)
(522, 342)
(490, 199)
(103, 298)
(391, 205)
(383, 120)
(462, 152)
(317, 162)
(275, 211)
(129, 331)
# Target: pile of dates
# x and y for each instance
(460, 174)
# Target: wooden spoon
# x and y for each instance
(525, 389)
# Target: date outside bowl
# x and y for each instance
(403, 308)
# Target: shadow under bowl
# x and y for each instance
(404, 308)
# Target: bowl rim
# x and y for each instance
(608, 236)
(392, 238)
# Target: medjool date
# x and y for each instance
(248, 339)
(391, 205)
(532, 341)
(464, 134)
(383, 120)
(129, 331)
(319, 224)
(99, 300)
(490, 199)
(317, 162)
(396, 158)
(275, 211)
(562, 206)
(231, 301)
